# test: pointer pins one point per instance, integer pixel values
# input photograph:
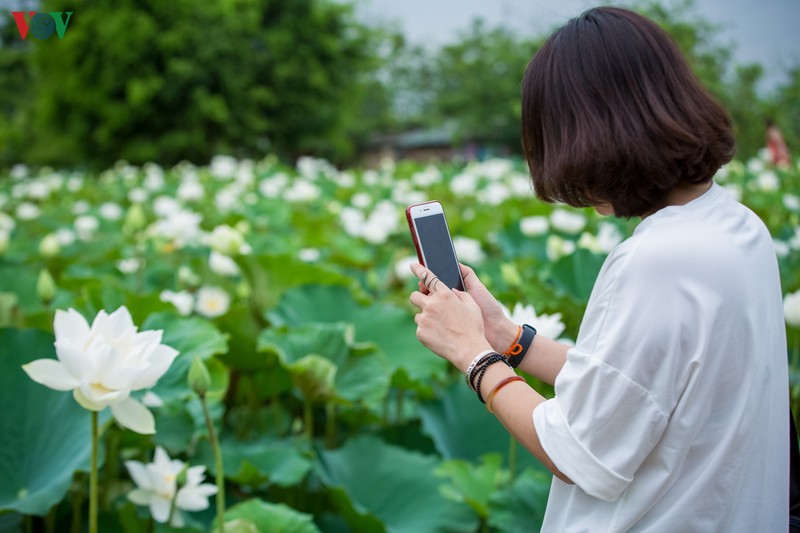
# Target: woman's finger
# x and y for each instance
(418, 299)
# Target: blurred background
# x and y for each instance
(350, 81)
(235, 173)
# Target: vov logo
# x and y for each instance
(41, 25)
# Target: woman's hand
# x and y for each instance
(499, 329)
(449, 323)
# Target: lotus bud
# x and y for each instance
(46, 286)
(199, 377)
(135, 219)
(49, 246)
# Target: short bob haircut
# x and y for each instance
(612, 113)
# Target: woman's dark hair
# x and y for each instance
(612, 113)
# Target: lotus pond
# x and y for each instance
(286, 390)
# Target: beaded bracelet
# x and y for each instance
(497, 388)
(492, 359)
(521, 347)
(470, 376)
(474, 362)
(481, 366)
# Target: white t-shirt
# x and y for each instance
(671, 411)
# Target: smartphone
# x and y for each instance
(432, 240)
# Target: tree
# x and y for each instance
(735, 86)
(146, 80)
(479, 83)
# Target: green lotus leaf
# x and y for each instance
(258, 462)
(462, 428)
(270, 275)
(391, 328)
(473, 484)
(520, 506)
(376, 483)
(270, 518)
(46, 435)
(361, 373)
(314, 375)
(575, 273)
(192, 337)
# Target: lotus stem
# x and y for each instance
(93, 477)
(220, 474)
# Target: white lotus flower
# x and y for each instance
(129, 265)
(7, 223)
(137, 195)
(111, 211)
(791, 309)
(534, 226)
(468, 250)
(301, 191)
(190, 189)
(223, 167)
(49, 245)
(222, 265)
(154, 177)
(309, 255)
(181, 227)
(65, 236)
(182, 300)
(273, 186)
(103, 363)
(607, 238)
(212, 302)
(225, 240)
(157, 487)
(85, 226)
(28, 211)
(558, 247)
(768, 181)
(567, 221)
(402, 267)
(791, 202)
(549, 326)
(164, 206)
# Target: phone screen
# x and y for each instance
(440, 258)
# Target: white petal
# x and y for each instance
(151, 399)
(74, 359)
(120, 322)
(159, 508)
(194, 498)
(161, 458)
(70, 325)
(102, 396)
(177, 520)
(132, 415)
(160, 361)
(140, 497)
(123, 375)
(85, 402)
(139, 474)
(50, 373)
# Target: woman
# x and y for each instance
(670, 412)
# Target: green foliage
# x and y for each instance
(372, 480)
(149, 80)
(487, 111)
(46, 435)
(331, 414)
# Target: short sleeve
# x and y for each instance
(600, 426)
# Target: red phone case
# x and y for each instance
(414, 232)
